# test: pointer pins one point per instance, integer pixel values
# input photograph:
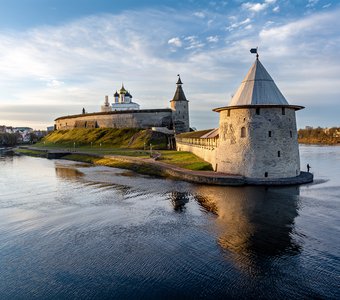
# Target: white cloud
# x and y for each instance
(193, 42)
(199, 14)
(176, 41)
(312, 3)
(235, 25)
(257, 7)
(321, 25)
(213, 39)
(276, 9)
(54, 83)
(75, 65)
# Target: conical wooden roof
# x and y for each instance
(258, 88)
(179, 94)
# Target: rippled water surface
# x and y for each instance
(69, 230)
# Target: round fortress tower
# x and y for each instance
(257, 130)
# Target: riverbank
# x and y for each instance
(151, 166)
(319, 136)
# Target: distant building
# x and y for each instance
(122, 101)
(124, 113)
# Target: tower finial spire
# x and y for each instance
(179, 81)
(254, 50)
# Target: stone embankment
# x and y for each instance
(174, 172)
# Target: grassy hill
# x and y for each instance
(105, 137)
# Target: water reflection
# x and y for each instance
(179, 199)
(68, 173)
(6, 157)
(254, 221)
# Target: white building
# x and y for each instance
(122, 101)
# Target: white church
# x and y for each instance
(122, 101)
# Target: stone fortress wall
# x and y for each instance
(145, 118)
(124, 113)
(205, 148)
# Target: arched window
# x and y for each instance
(243, 132)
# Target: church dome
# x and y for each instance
(128, 94)
(122, 90)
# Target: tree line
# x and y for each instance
(12, 139)
(328, 136)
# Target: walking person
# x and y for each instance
(308, 167)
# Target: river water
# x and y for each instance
(69, 230)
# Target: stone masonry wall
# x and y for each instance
(203, 150)
(139, 119)
(180, 115)
(258, 144)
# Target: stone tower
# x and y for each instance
(180, 106)
(257, 130)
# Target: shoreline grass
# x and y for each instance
(30, 152)
(100, 142)
(184, 160)
(142, 167)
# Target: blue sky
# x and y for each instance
(58, 56)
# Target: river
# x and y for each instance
(70, 230)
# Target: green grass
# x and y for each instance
(107, 151)
(141, 167)
(102, 138)
(28, 152)
(127, 142)
(186, 160)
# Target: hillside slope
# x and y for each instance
(107, 137)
